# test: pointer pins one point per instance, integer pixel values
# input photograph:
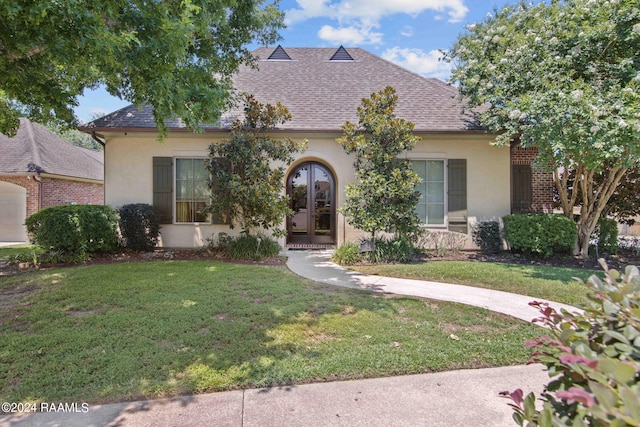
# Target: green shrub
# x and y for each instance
(347, 254)
(246, 246)
(486, 235)
(74, 229)
(606, 236)
(397, 249)
(540, 234)
(593, 357)
(139, 226)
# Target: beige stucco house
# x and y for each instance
(465, 178)
(38, 169)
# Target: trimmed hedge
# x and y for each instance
(139, 226)
(540, 234)
(74, 229)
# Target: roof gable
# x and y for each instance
(279, 54)
(323, 88)
(34, 148)
(341, 55)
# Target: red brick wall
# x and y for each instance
(63, 192)
(57, 192)
(541, 181)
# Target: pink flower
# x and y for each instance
(572, 358)
(575, 394)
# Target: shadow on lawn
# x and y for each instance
(150, 330)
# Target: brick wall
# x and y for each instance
(541, 181)
(63, 192)
(57, 192)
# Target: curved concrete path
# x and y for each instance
(454, 398)
(317, 265)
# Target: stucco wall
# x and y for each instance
(129, 174)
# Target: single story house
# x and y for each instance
(38, 169)
(465, 178)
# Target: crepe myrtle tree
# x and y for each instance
(246, 187)
(176, 56)
(562, 76)
(384, 196)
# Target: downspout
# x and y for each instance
(96, 139)
(37, 178)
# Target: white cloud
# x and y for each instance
(349, 35)
(406, 31)
(418, 61)
(371, 11)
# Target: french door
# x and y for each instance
(311, 188)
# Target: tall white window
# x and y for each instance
(192, 190)
(431, 206)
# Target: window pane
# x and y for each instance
(435, 213)
(435, 170)
(435, 190)
(184, 190)
(200, 171)
(184, 168)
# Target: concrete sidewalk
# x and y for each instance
(454, 398)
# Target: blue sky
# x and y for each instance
(407, 32)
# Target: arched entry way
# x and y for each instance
(312, 189)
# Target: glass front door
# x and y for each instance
(311, 188)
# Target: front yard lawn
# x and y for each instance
(118, 332)
(552, 283)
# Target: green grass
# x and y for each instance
(552, 283)
(145, 330)
(14, 250)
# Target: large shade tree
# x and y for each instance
(175, 55)
(562, 76)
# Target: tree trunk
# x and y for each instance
(591, 198)
(594, 201)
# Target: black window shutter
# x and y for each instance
(521, 188)
(163, 188)
(457, 195)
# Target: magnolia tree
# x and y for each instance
(248, 170)
(563, 77)
(176, 56)
(384, 198)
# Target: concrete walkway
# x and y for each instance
(317, 265)
(454, 398)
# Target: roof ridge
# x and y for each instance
(35, 152)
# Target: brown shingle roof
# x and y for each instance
(322, 93)
(36, 149)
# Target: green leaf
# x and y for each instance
(620, 371)
(604, 395)
(631, 402)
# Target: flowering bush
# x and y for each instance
(593, 358)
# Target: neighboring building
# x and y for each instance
(465, 178)
(38, 169)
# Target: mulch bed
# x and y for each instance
(619, 261)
